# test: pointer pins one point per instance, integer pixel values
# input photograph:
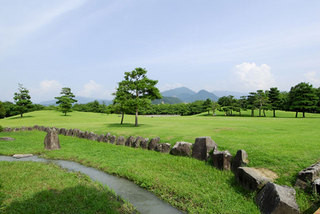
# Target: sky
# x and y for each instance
(87, 45)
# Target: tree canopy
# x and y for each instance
(22, 100)
(66, 100)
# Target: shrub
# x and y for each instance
(1, 129)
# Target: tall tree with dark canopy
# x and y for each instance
(121, 101)
(274, 98)
(303, 98)
(2, 110)
(252, 102)
(261, 101)
(207, 105)
(139, 88)
(66, 100)
(22, 100)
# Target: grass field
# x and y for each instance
(45, 188)
(284, 145)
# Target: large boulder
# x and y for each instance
(254, 179)
(153, 143)
(130, 141)
(276, 199)
(137, 142)
(307, 176)
(241, 159)
(182, 149)
(163, 147)
(202, 147)
(144, 143)
(222, 160)
(51, 141)
(121, 141)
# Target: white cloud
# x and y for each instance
(95, 90)
(313, 78)
(46, 90)
(253, 77)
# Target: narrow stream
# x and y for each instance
(144, 201)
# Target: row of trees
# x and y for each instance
(301, 98)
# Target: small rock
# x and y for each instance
(153, 143)
(202, 147)
(113, 139)
(136, 143)
(100, 138)
(6, 139)
(307, 176)
(130, 140)
(276, 199)
(51, 141)
(316, 186)
(121, 140)
(222, 160)
(254, 179)
(182, 149)
(144, 143)
(241, 159)
(7, 129)
(22, 155)
(63, 131)
(29, 128)
(163, 147)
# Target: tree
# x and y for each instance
(261, 101)
(243, 103)
(22, 100)
(227, 104)
(2, 110)
(303, 98)
(274, 98)
(251, 102)
(139, 89)
(121, 101)
(207, 105)
(215, 106)
(66, 100)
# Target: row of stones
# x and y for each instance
(279, 198)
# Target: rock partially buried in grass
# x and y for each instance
(308, 176)
(276, 199)
(51, 141)
(153, 143)
(113, 139)
(254, 179)
(222, 160)
(136, 143)
(241, 159)
(202, 147)
(163, 147)
(6, 139)
(22, 155)
(182, 149)
(144, 143)
(129, 141)
(121, 140)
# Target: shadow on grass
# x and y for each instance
(78, 199)
(19, 117)
(128, 125)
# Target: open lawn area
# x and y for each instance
(284, 145)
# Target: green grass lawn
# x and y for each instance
(284, 145)
(28, 187)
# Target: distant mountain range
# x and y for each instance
(177, 95)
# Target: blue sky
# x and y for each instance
(214, 45)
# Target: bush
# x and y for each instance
(1, 129)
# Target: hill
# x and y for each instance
(81, 100)
(167, 100)
(187, 95)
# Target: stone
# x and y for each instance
(100, 138)
(7, 129)
(92, 136)
(51, 141)
(63, 131)
(46, 129)
(241, 159)
(6, 139)
(144, 143)
(22, 155)
(153, 143)
(121, 141)
(254, 179)
(69, 132)
(307, 176)
(29, 128)
(23, 128)
(130, 140)
(163, 147)
(182, 149)
(36, 127)
(276, 199)
(41, 128)
(202, 147)
(136, 143)
(16, 129)
(75, 133)
(316, 186)
(222, 160)
(106, 138)
(113, 139)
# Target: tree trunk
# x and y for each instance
(303, 113)
(252, 112)
(65, 114)
(260, 112)
(122, 118)
(21, 114)
(264, 112)
(274, 113)
(239, 113)
(136, 122)
(296, 114)
(208, 112)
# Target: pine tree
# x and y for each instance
(66, 100)
(274, 98)
(22, 100)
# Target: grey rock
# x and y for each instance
(29, 128)
(121, 141)
(23, 128)
(241, 159)
(276, 199)
(136, 143)
(130, 141)
(36, 127)
(251, 179)
(92, 136)
(75, 133)
(16, 129)
(222, 160)
(69, 132)
(6, 139)
(100, 138)
(144, 143)
(7, 129)
(307, 176)
(51, 141)
(81, 134)
(22, 155)
(182, 149)
(163, 147)
(63, 131)
(316, 186)
(153, 143)
(202, 147)
(113, 139)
